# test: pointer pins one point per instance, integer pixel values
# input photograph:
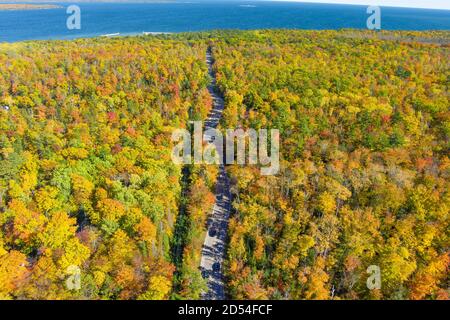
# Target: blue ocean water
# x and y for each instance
(179, 16)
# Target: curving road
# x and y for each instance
(213, 251)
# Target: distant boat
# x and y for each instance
(110, 35)
(154, 33)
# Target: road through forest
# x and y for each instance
(213, 251)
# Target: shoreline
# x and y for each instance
(100, 36)
(385, 35)
(27, 6)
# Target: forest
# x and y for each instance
(364, 172)
(87, 180)
(86, 174)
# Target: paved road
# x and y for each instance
(213, 251)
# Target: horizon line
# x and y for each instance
(381, 3)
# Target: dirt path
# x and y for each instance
(213, 251)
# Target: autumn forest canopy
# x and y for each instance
(87, 179)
